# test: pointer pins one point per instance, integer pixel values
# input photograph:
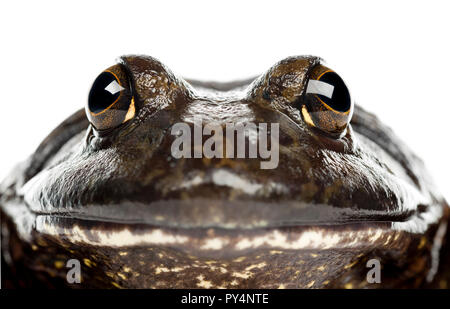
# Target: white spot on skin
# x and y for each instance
(159, 270)
(243, 275)
(310, 284)
(192, 182)
(312, 239)
(215, 243)
(247, 272)
(111, 238)
(203, 283)
(177, 269)
(225, 178)
(260, 265)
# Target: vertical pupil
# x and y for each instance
(340, 99)
(104, 91)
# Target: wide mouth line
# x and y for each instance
(155, 222)
(227, 215)
(92, 221)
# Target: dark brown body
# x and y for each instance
(137, 218)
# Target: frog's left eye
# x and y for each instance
(327, 104)
(110, 101)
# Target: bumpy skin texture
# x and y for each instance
(136, 217)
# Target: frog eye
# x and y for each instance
(327, 104)
(110, 102)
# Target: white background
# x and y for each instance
(394, 56)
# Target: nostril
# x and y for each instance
(421, 208)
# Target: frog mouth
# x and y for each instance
(214, 213)
(218, 238)
(210, 240)
(215, 242)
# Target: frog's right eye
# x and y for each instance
(327, 104)
(110, 101)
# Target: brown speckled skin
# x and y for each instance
(127, 179)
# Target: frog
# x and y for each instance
(103, 202)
